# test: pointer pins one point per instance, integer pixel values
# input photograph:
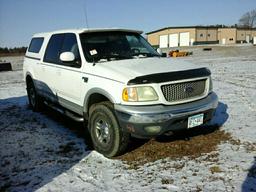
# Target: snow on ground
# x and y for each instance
(46, 151)
(16, 61)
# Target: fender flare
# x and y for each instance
(96, 91)
(30, 75)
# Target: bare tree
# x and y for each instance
(248, 20)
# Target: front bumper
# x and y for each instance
(136, 119)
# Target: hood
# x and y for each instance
(125, 70)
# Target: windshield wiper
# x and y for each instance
(146, 54)
(111, 57)
(115, 56)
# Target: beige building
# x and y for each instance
(227, 35)
(196, 35)
(245, 35)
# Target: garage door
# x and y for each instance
(163, 41)
(248, 38)
(173, 40)
(223, 41)
(184, 39)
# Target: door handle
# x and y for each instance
(85, 79)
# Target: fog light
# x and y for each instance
(153, 129)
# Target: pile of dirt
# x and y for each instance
(192, 143)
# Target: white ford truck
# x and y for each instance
(114, 80)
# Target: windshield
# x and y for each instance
(107, 46)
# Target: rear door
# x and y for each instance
(32, 60)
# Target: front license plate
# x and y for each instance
(195, 120)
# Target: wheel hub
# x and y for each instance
(102, 131)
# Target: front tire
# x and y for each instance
(35, 101)
(106, 134)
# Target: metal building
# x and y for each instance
(197, 35)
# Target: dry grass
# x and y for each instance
(215, 169)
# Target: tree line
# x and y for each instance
(15, 50)
(248, 20)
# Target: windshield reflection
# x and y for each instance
(108, 46)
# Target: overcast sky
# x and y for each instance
(20, 19)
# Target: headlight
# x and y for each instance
(210, 84)
(134, 94)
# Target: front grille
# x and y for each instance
(183, 91)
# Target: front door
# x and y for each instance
(64, 79)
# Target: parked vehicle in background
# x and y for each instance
(114, 80)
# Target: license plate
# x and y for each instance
(195, 120)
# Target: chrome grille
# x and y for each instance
(183, 91)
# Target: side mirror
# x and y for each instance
(159, 51)
(67, 57)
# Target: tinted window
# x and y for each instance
(70, 45)
(106, 46)
(60, 43)
(53, 49)
(36, 44)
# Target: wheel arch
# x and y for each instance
(96, 95)
(29, 78)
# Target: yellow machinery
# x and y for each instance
(178, 53)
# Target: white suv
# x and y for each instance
(114, 80)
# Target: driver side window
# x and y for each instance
(70, 45)
(60, 43)
(135, 44)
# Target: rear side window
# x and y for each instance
(53, 49)
(36, 44)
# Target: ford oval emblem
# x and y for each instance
(189, 90)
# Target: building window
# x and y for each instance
(201, 35)
(242, 34)
(231, 39)
(209, 35)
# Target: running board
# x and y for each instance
(65, 112)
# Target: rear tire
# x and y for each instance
(107, 136)
(35, 101)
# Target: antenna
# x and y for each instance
(85, 13)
